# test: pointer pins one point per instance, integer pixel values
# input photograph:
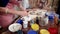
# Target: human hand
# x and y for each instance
(24, 13)
(2, 9)
(46, 8)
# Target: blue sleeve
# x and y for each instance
(3, 3)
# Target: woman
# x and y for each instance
(6, 12)
(44, 4)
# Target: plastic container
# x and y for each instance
(43, 21)
(32, 32)
(32, 22)
(25, 24)
(51, 16)
(51, 21)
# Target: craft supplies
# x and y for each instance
(25, 24)
(20, 21)
(15, 27)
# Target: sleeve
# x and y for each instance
(3, 3)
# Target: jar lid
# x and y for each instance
(44, 31)
(35, 27)
(19, 21)
(32, 32)
(51, 17)
(53, 30)
(15, 27)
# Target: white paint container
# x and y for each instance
(25, 24)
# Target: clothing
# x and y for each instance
(3, 3)
(44, 2)
(6, 19)
(25, 3)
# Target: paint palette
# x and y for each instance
(38, 12)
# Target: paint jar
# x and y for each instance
(25, 24)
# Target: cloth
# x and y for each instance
(6, 19)
(25, 3)
(3, 3)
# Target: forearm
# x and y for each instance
(3, 10)
(15, 12)
(12, 11)
(49, 1)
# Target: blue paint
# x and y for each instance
(32, 32)
(46, 14)
(51, 17)
(20, 21)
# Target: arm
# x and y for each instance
(5, 10)
(22, 13)
(48, 4)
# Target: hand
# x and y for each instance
(3, 9)
(24, 13)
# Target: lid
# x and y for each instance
(32, 32)
(53, 30)
(19, 21)
(44, 31)
(51, 17)
(15, 27)
(35, 27)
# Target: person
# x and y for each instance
(25, 4)
(44, 4)
(7, 12)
